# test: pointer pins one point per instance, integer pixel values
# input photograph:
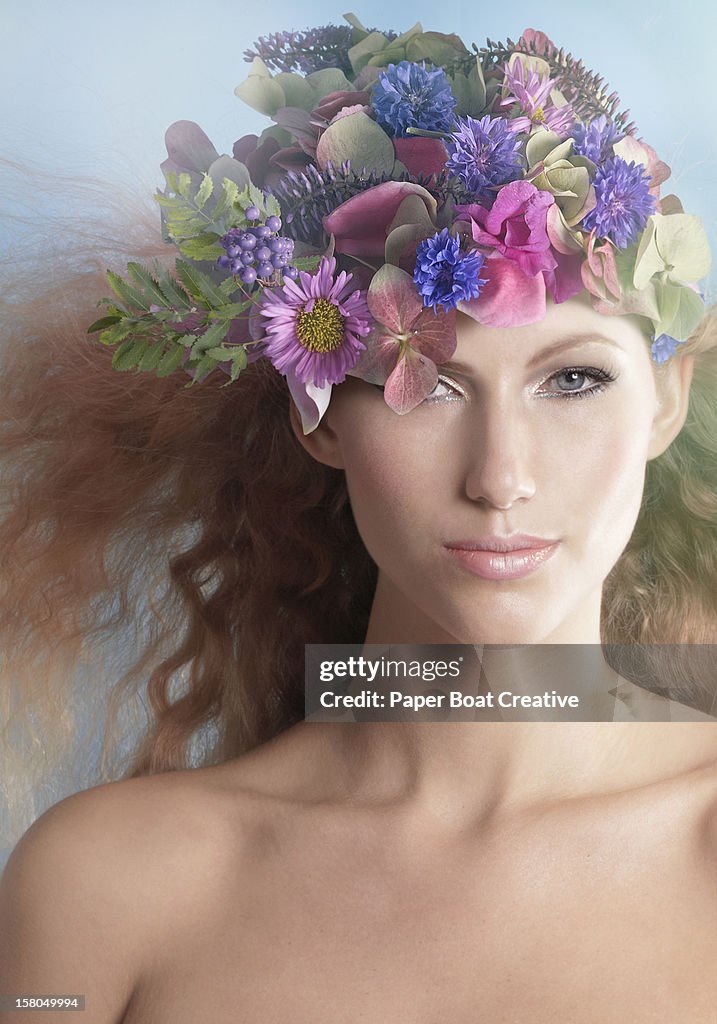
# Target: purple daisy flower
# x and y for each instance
(596, 139)
(315, 325)
(445, 274)
(484, 153)
(532, 95)
(623, 202)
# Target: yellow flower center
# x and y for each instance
(538, 115)
(322, 328)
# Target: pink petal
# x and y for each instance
(359, 225)
(378, 359)
(421, 156)
(393, 299)
(566, 279)
(412, 380)
(435, 335)
(509, 298)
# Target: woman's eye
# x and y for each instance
(572, 382)
(445, 388)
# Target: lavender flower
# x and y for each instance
(408, 95)
(315, 325)
(312, 50)
(623, 202)
(531, 92)
(484, 153)
(596, 139)
(445, 274)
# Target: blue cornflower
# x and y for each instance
(664, 347)
(484, 153)
(596, 139)
(445, 274)
(623, 202)
(409, 95)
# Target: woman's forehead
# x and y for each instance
(571, 322)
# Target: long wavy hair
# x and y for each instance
(166, 551)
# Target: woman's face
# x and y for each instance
(542, 430)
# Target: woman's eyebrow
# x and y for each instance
(550, 350)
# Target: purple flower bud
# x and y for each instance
(233, 250)
(291, 272)
(247, 258)
(248, 275)
(265, 270)
(263, 253)
(273, 223)
(262, 231)
(252, 213)
(248, 241)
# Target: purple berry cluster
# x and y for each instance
(259, 251)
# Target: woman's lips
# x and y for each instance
(503, 565)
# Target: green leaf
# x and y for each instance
(177, 296)
(648, 261)
(683, 245)
(199, 285)
(170, 361)
(114, 335)
(103, 322)
(261, 92)
(204, 247)
(687, 314)
(151, 357)
(129, 354)
(124, 291)
(147, 285)
(362, 53)
(211, 337)
(184, 184)
(359, 139)
(205, 190)
(203, 368)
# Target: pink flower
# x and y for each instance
(406, 343)
(516, 226)
(532, 92)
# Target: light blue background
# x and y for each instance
(94, 83)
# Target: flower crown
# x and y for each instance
(437, 178)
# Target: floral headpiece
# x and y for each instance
(404, 178)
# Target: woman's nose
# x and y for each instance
(501, 467)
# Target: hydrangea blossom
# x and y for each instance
(623, 202)
(484, 153)
(596, 139)
(409, 95)
(445, 274)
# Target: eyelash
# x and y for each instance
(603, 378)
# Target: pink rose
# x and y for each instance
(516, 226)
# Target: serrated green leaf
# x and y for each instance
(151, 357)
(211, 337)
(203, 368)
(221, 353)
(203, 247)
(129, 354)
(232, 310)
(103, 323)
(177, 296)
(147, 285)
(169, 362)
(205, 190)
(184, 184)
(114, 335)
(199, 285)
(124, 291)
